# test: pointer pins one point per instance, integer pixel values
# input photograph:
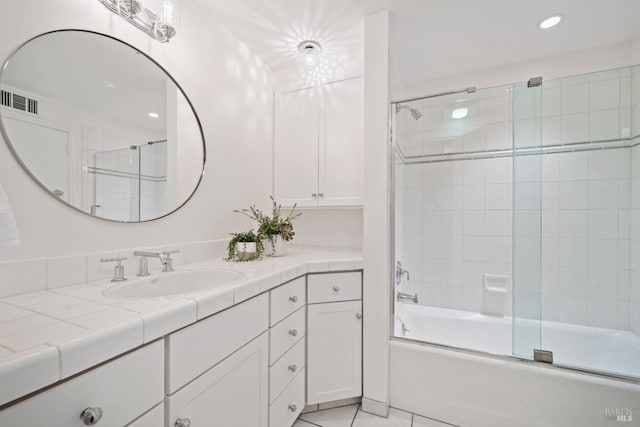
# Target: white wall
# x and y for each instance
(615, 56)
(376, 243)
(232, 94)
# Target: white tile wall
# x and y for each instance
(457, 227)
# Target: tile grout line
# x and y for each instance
(355, 415)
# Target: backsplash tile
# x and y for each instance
(22, 277)
(66, 271)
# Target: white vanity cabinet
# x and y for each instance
(218, 369)
(334, 337)
(121, 390)
(231, 394)
(319, 145)
(257, 363)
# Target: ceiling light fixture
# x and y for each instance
(551, 21)
(460, 113)
(154, 115)
(158, 18)
(309, 52)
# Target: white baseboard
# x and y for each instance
(374, 407)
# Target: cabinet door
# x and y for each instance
(233, 393)
(296, 148)
(334, 351)
(342, 148)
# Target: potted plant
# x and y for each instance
(274, 228)
(245, 246)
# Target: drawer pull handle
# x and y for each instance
(358, 315)
(336, 288)
(293, 332)
(293, 299)
(182, 422)
(91, 416)
(293, 368)
(293, 408)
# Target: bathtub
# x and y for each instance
(591, 348)
(472, 389)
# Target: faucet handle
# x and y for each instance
(117, 259)
(118, 269)
(168, 261)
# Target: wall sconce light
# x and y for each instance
(158, 18)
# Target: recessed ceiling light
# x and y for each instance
(460, 113)
(154, 115)
(551, 21)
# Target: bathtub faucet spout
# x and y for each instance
(402, 297)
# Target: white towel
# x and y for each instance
(9, 236)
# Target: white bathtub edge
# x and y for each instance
(472, 390)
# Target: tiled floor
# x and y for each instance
(352, 416)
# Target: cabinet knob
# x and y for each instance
(293, 368)
(320, 194)
(293, 408)
(293, 332)
(91, 416)
(336, 288)
(358, 315)
(314, 195)
(293, 299)
(182, 422)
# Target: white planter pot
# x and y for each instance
(275, 246)
(246, 250)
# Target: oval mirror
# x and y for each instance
(101, 126)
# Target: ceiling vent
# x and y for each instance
(18, 102)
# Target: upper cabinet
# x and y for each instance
(319, 145)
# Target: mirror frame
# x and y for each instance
(24, 167)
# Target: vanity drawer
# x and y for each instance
(123, 389)
(334, 287)
(286, 369)
(285, 410)
(286, 299)
(198, 347)
(286, 333)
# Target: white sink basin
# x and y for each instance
(172, 284)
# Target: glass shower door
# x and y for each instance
(527, 221)
(117, 189)
(575, 177)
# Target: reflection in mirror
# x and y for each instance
(101, 126)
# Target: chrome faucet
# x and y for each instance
(402, 297)
(400, 272)
(164, 257)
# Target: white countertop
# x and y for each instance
(51, 335)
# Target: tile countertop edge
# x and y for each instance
(28, 371)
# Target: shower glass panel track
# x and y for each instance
(517, 218)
